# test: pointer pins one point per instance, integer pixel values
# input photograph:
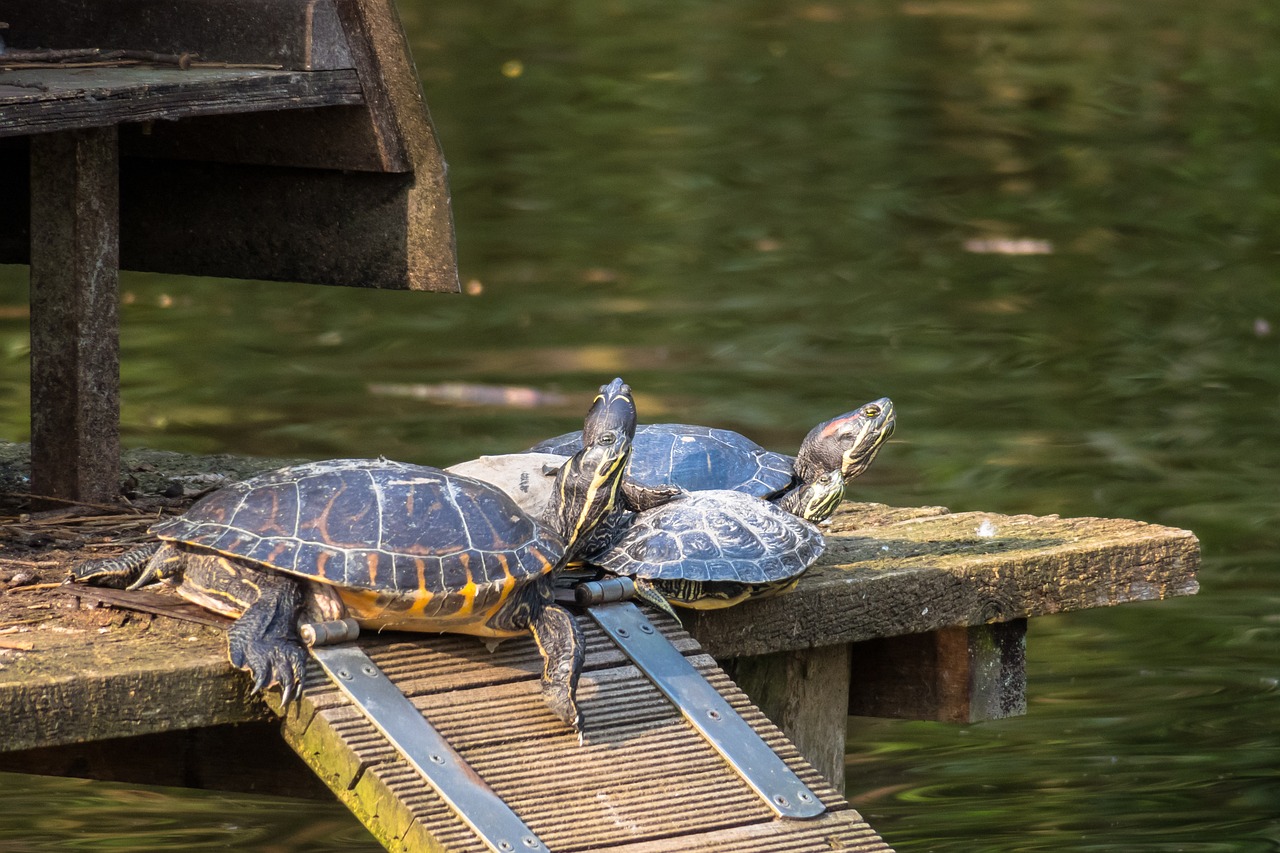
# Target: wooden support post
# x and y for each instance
(75, 353)
(958, 675)
(806, 693)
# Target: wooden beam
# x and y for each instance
(406, 137)
(299, 35)
(954, 675)
(259, 222)
(46, 100)
(806, 693)
(75, 358)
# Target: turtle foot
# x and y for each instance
(563, 650)
(265, 641)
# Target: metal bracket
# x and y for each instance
(708, 711)
(422, 745)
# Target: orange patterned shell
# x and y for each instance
(387, 527)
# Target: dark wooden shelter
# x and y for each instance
(262, 139)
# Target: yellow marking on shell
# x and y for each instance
(419, 606)
(372, 562)
(421, 566)
(468, 593)
(508, 584)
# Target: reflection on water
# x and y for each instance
(48, 815)
(1046, 229)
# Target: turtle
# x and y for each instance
(668, 459)
(394, 545)
(717, 548)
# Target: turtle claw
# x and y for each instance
(271, 663)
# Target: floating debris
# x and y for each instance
(471, 394)
(1008, 246)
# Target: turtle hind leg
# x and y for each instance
(264, 640)
(119, 572)
(559, 639)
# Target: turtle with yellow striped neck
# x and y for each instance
(397, 546)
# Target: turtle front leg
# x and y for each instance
(264, 640)
(560, 641)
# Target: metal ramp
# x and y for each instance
(641, 780)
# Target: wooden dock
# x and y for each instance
(912, 612)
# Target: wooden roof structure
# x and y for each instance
(267, 139)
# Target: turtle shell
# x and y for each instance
(392, 537)
(694, 458)
(716, 535)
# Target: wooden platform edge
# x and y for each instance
(897, 571)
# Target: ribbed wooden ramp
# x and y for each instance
(642, 780)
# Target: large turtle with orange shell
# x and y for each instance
(393, 545)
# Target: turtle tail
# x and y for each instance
(648, 593)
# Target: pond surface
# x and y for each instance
(1047, 229)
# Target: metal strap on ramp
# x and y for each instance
(707, 711)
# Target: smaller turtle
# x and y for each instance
(668, 459)
(717, 548)
(400, 546)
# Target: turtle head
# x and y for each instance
(849, 442)
(586, 488)
(814, 501)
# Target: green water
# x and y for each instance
(761, 214)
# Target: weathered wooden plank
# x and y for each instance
(958, 675)
(79, 685)
(884, 575)
(301, 35)
(75, 358)
(46, 100)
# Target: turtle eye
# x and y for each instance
(871, 411)
(607, 438)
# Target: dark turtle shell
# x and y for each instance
(412, 531)
(714, 535)
(693, 458)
